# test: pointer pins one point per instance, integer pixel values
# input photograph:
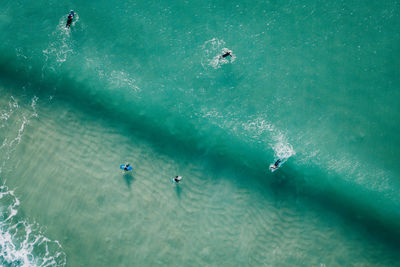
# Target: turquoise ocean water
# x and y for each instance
(314, 83)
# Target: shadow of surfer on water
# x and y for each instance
(178, 190)
(129, 178)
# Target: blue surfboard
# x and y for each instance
(122, 167)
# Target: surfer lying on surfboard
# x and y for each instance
(177, 179)
(126, 167)
(227, 53)
(70, 18)
(275, 165)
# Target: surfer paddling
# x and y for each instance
(275, 165)
(227, 53)
(70, 18)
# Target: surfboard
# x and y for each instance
(272, 169)
(122, 167)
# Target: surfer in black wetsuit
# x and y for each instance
(126, 167)
(177, 179)
(276, 164)
(227, 53)
(69, 19)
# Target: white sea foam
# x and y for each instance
(258, 127)
(8, 146)
(9, 143)
(21, 243)
(283, 149)
(348, 166)
(19, 51)
(5, 114)
(120, 79)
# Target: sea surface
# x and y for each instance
(313, 83)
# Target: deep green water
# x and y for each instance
(316, 83)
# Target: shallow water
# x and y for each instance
(141, 82)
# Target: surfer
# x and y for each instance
(227, 53)
(276, 164)
(126, 168)
(177, 179)
(69, 19)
